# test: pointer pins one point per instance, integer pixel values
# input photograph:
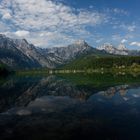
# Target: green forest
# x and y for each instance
(92, 62)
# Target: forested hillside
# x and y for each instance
(92, 62)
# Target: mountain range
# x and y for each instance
(120, 50)
(19, 54)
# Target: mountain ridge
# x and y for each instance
(19, 54)
(119, 50)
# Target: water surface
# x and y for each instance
(70, 106)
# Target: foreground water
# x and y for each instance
(77, 106)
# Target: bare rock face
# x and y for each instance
(120, 50)
(70, 51)
(122, 47)
(11, 55)
(18, 53)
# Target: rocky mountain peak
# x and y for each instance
(21, 54)
(2, 36)
(25, 41)
(122, 47)
(80, 42)
(79, 46)
(21, 41)
(109, 48)
(106, 46)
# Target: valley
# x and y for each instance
(19, 55)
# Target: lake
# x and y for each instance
(70, 106)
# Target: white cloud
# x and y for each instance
(39, 14)
(22, 33)
(135, 44)
(120, 11)
(116, 11)
(123, 41)
(43, 17)
(130, 28)
(7, 16)
(49, 23)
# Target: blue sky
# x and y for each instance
(49, 23)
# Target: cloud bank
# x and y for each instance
(135, 44)
(46, 21)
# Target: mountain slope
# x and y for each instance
(95, 62)
(72, 51)
(12, 56)
(18, 53)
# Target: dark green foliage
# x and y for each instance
(93, 62)
(3, 70)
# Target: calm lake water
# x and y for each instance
(70, 106)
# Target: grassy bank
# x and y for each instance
(118, 69)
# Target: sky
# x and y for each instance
(51, 23)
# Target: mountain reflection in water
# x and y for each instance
(70, 107)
